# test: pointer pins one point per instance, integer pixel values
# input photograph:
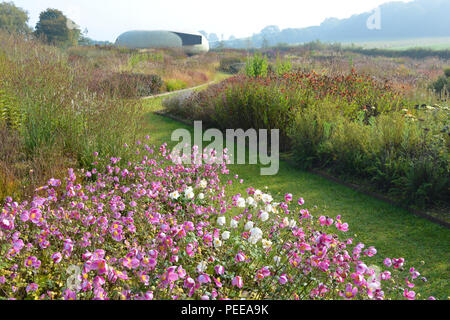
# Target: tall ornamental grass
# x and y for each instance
(47, 102)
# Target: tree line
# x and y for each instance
(53, 26)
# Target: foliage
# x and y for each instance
(9, 110)
(129, 85)
(442, 85)
(56, 29)
(231, 65)
(257, 66)
(59, 120)
(13, 19)
(282, 66)
(353, 125)
(175, 84)
(155, 230)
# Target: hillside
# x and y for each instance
(417, 19)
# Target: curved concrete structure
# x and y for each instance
(190, 42)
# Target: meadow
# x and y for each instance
(131, 221)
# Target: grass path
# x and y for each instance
(393, 231)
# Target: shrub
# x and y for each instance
(442, 84)
(353, 125)
(257, 66)
(231, 65)
(155, 230)
(175, 85)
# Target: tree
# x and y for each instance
(56, 29)
(13, 19)
(213, 37)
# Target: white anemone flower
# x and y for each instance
(266, 244)
(241, 203)
(226, 235)
(221, 221)
(249, 225)
(217, 242)
(203, 184)
(264, 216)
(174, 195)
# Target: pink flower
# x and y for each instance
(398, 263)
(301, 202)
(35, 215)
(283, 279)
(239, 257)
(56, 257)
(220, 270)
(288, 197)
(69, 295)
(342, 226)
(32, 262)
(189, 282)
(54, 182)
(32, 287)
(350, 291)
(410, 295)
(237, 282)
(203, 278)
(387, 262)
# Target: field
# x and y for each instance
(428, 43)
(132, 221)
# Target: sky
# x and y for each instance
(107, 19)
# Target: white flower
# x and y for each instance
(233, 223)
(188, 190)
(217, 242)
(251, 202)
(266, 198)
(269, 208)
(226, 235)
(189, 195)
(203, 184)
(241, 203)
(249, 225)
(253, 240)
(201, 196)
(286, 221)
(201, 267)
(255, 235)
(256, 232)
(174, 195)
(293, 223)
(221, 221)
(264, 216)
(266, 244)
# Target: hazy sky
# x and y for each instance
(107, 19)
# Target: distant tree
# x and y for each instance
(213, 37)
(13, 19)
(270, 30)
(56, 29)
